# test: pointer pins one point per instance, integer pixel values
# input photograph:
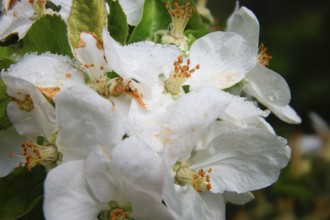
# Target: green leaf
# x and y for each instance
(86, 16)
(21, 191)
(36, 213)
(47, 34)
(117, 22)
(4, 100)
(155, 17)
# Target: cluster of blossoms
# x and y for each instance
(169, 129)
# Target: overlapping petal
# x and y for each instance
(86, 119)
(243, 160)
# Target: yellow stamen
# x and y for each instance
(118, 214)
(180, 16)
(38, 155)
(200, 179)
(49, 92)
(179, 76)
(263, 57)
(119, 86)
(26, 104)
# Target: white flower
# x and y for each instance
(83, 119)
(127, 183)
(232, 158)
(237, 161)
(218, 59)
(267, 86)
(29, 82)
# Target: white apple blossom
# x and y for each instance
(236, 161)
(98, 120)
(218, 59)
(29, 82)
(267, 86)
(128, 183)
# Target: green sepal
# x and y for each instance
(86, 16)
(155, 17)
(117, 22)
(21, 191)
(4, 100)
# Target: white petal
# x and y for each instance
(86, 119)
(16, 20)
(263, 124)
(133, 10)
(41, 120)
(47, 70)
(65, 8)
(238, 198)
(139, 165)
(67, 195)
(143, 61)
(268, 87)
(245, 23)
(100, 176)
(147, 207)
(215, 203)
(11, 150)
(242, 112)
(91, 56)
(187, 118)
(224, 60)
(286, 113)
(193, 205)
(131, 167)
(243, 160)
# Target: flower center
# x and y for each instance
(263, 57)
(46, 155)
(120, 86)
(179, 76)
(200, 179)
(26, 104)
(180, 16)
(116, 212)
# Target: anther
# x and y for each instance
(263, 57)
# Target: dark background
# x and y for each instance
(296, 33)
